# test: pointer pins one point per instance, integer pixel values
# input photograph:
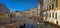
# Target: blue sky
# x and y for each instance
(20, 4)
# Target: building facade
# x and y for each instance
(4, 12)
(34, 12)
(51, 11)
(27, 13)
(38, 11)
(40, 7)
(3, 9)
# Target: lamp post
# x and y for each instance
(12, 8)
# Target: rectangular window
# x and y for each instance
(52, 15)
(2, 16)
(56, 3)
(47, 14)
(55, 15)
(33, 11)
(49, 7)
(52, 6)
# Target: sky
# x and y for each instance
(20, 4)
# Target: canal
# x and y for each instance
(40, 24)
(36, 24)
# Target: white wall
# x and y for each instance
(53, 20)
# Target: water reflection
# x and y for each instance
(40, 25)
(46, 25)
(28, 25)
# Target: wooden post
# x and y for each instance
(56, 24)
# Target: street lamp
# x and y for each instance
(12, 8)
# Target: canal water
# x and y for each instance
(30, 24)
(41, 25)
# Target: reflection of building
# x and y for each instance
(4, 11)
(52, 11)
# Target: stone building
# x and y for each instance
(4, 12)
(51, 11)
(27, 13)
(34, 12)
(3, 9)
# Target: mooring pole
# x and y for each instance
(57, 24)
